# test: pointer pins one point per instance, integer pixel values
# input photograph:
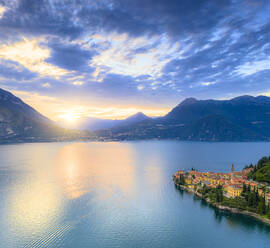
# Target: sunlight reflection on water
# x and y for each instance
(116, 195)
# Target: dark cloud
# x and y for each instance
(72, 18)
(39, 17)
(221, 36)
(70, 57)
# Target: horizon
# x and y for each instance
(110, 60)
(73, 120)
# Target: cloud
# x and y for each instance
(31, 55)
(44, 17)
(2, 10)
(122, 56)
(70, 56)
(13, 70)
(78, 83)
(151, 52)
(253, 67)
(140, 87)
(207, 83)
(46, 85)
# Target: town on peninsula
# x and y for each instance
(245, 192)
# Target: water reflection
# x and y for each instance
(234, 221)
(81, 168)
(154, 176)
(34, 206)
(114, 195)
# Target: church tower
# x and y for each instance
(232, 169)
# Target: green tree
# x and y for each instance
(219, 193)
(261, 206)
(268, 214)
(244, 188)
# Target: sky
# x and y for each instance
(73, 59)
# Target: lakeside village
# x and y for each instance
(247, 190)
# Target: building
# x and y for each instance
(188, 180)
(234, 190)
(180, 173)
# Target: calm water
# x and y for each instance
(119, 195)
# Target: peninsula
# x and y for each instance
(245, 192)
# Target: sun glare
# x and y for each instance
(69, 117)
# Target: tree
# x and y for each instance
(261, 206)
(244, 188)
(268, 214)
(182, 180)
(219, 193)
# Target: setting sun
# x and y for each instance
(69, 117)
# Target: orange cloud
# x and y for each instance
(32, 56)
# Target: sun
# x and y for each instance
(69, 117)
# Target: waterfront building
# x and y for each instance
(234, 190)
(188, 180)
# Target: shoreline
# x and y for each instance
(225, 208)
(26, 141)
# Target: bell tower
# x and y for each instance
(232, 169)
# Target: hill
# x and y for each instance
(261, 171)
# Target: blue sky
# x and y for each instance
(112, 58)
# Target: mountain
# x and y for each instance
(94, 124)
(20, 122)
(244, 118)
(134, 119)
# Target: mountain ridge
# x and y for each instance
(243, 118)
(19, 122)
(94, 124)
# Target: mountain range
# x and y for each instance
(94, 124)
(244, 118)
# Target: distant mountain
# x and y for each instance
(134, 119)
(244, 118)
(20, 122)
(94, 124)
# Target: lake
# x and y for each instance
(119, 195)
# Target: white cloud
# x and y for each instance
(46, 85)
(250, 68)
(140, 87)
(121, 58)
(32, 56)
(207, 83)
(2, 10)
(78, 83)
(218, 34)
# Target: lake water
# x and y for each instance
(119, 195)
